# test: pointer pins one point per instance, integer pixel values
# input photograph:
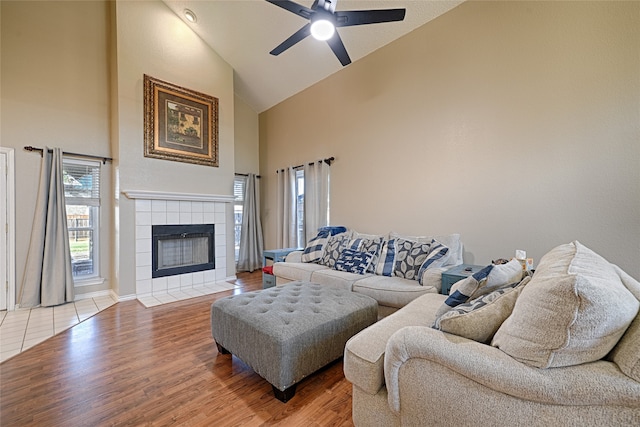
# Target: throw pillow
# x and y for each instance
(436, 258)
(354, 261)
(409, 257)
(335, 245)
(315, 247)
(490, 278)
(480, 318)
(368, 243)
(573, 311)
(386, 261)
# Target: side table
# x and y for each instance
(273, 255)
(457, 273)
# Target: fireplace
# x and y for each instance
(180, 249)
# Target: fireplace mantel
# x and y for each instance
(161, 195)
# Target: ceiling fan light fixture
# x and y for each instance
(322, 29)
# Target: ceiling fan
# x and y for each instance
(323, 20)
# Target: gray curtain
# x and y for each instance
(316, 197)
(48, 278)
(286, 225)
(251, 247)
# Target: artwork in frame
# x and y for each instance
(179, 124)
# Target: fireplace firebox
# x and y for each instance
(180, 249)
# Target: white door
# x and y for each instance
(4, 252)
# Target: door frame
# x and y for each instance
(8, 155)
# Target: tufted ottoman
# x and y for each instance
(288, 332)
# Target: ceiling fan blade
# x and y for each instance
(361, 17)
(293, 7)
(336, 45)
(295, 38)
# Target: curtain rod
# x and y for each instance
(327, 161)
(245, 174)
(86, 156)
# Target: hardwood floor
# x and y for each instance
(133, 366)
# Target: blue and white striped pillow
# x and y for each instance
(386, 261)
(436, 258)
(315, 247)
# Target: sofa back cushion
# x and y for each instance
(626, 354)
(574, 310)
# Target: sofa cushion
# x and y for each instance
(626, 354)
(485, 281)
(333, 248)
(337, 279)
(574, 310)
(354, 261)
(364, 352)
(391, 291)
(296, 270)
(480, 318)
(315, 247)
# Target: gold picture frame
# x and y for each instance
(179, 124)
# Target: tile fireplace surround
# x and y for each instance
(155, 208)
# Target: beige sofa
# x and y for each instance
(391, 292)
(567, 354)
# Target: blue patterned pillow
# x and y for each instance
(354, 261)
(436, 258)
(387, 259)
(368, 243)
(334, 247)
(315, 247)
(410, 256)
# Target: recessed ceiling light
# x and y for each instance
(191, 17)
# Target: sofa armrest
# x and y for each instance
(596, 383)
(295, 256)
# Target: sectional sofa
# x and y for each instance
(559, 348)
(401, 268)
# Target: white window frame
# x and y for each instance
(238, 206)
(95, 278)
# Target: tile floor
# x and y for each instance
(173, 295)
(23, 328)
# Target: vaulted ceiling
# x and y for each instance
(243, 32)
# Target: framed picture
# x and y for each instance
(179, 124)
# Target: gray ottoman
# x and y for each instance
(288, 332)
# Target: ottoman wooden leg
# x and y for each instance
(284, 395)
(222, 350)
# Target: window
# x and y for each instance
(82, 199)
(302, 241)
(238, 194)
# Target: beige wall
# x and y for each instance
(515, 124)
(152, 40)
(246, 138)
(71, 76)
(55, 92)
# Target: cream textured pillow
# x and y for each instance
(574, 310)
(480, 318)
